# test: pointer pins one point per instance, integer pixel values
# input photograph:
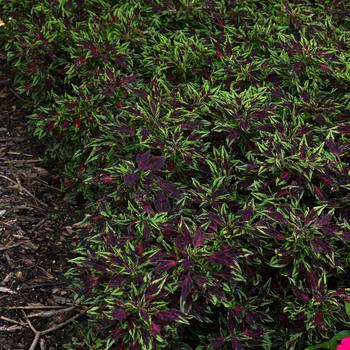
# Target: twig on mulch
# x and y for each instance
(18, 184)
(34, 307)
(11, 320)
(38, 334)
(12, 246)
(51, 313)
(13, 161)
(20, 97)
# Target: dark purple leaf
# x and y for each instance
(191, 124)
(323, 220)
(164, 317)
(186, 286)
(155, 163)
(234, 134)
(141, 93)
(144, 315)
(223, 257)
(124, 82)
(219, 21)
(343, 117)
(300, 294)
(310, 216)
(278, 218)
(126, 130)
(332, 146)
(198, 238)
(321, 246)
(218, 342)
(346, 236)
(303, 152)
(165, 265)
(344, 129)
(319, 319)
(169, 188)
(259, 114)
(246, 213)
(119, 314)
(161, 203)
(236, 344)
(155, 329)
(131, 179)
(116, 281)
(120, 60)
(312, 279)
(320, 194)
(143, 158)
(187, 264)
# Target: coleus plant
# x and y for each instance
(211, 139)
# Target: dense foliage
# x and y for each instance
(212, 139)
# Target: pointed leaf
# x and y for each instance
(161, 203)
(198, 238)
(186, 285)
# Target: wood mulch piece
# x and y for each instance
(36, 240)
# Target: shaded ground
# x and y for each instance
(35, 237)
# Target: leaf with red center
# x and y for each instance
(218, 52)
(223, 257)
(319, 193)
(300, 294)
(325, 68)
(246, 213)
(198, 238)
(155, 329)
(139, 248)
(285, 175)
(219, 21)
(164, 265)
(107, 179)
(92, 282)
(319, 319)
(186, 286)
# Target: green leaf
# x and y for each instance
(347, 309)
(332, 343)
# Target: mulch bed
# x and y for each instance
(36, 239)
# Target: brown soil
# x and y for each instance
(36, 239)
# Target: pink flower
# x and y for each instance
(345, 344)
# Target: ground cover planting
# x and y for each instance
(211, 139)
